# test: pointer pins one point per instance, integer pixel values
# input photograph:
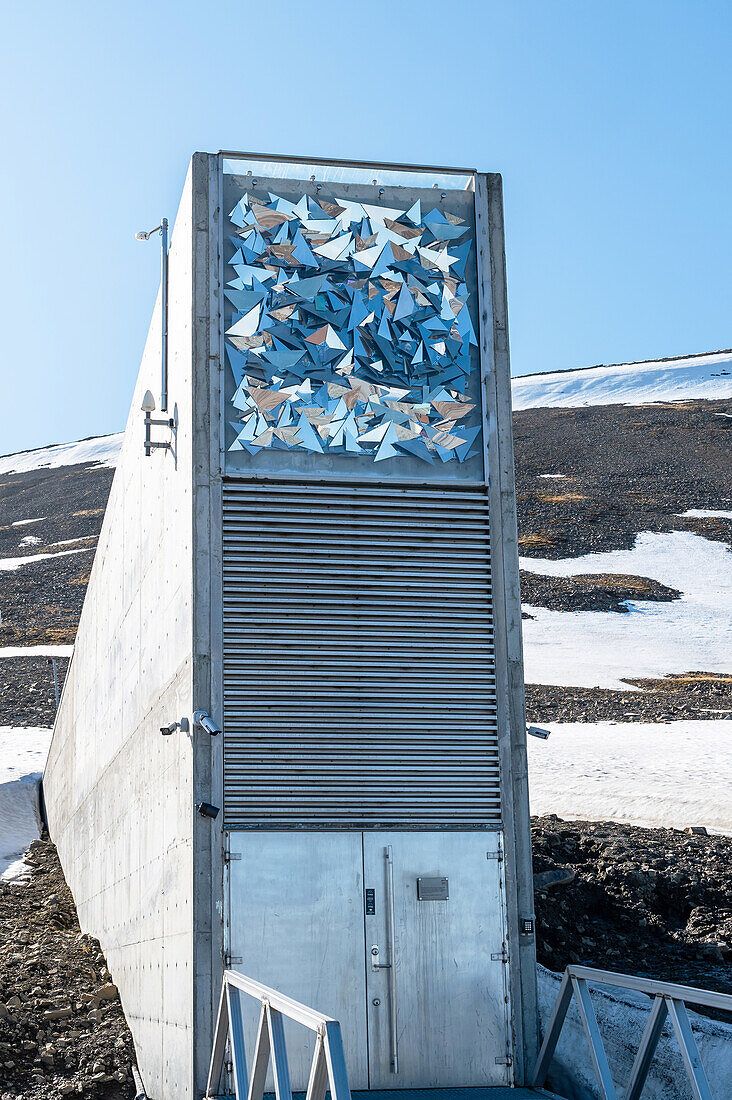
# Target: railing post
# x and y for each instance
(260, 1060)
(594, 1039)
(553, 1030)
(647, 1049)
(689, 1051)
(219, 1044)
(318, 1083)
(280, 1067)
(339, 1088)
(236, 1034)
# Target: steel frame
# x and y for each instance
(328, 1070)
(327, 162)
(669, 1000)
(497, 481)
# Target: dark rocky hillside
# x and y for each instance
(656, 902)
(626, 469)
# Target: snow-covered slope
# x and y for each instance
(102, 451)
(637, 772)
(599, 648)
(694, 378)
(22, 759)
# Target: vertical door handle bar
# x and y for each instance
(392, 958)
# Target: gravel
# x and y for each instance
(592, 592)
(62, 1029)
(696, 695)
(627, 469)
(27, 697)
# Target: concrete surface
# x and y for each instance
(120, 797)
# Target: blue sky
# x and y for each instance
(609, 122)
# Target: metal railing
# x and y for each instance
(328, 1070)
(669, 1000)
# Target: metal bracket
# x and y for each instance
(229, 857)
(495, 855)
(501, 956)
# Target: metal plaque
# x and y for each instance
(433, 889)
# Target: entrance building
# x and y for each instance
(322, 559)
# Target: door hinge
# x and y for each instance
(495, 855)
(230, 856)
(500, 955)
(232, 960)
(506, 1061)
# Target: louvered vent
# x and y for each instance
(358, 657)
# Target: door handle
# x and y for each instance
(375, 956)
(388, 856)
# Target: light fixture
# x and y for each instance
(141, 235)
(148, 407)
(205, 809)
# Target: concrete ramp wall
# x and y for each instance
(121, 797)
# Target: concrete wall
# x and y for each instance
(120, 797)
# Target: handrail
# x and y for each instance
(328, 1068)
(669, 1000)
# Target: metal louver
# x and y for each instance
(359, 686)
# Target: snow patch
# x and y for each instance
(23, 755)
(102, 451)
(36, 651)
(695, 378)
(670, 774)
(8, 564)
(562, 476)
(68, 542)
(600, 648)
(30, 540)
(23, 522)
(704, 513)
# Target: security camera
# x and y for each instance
(203, 719)
(182, 726)
(205, 809)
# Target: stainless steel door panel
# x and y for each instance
(436, 974)
(296, 923)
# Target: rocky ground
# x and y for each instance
(592, 592)
(698, 695)
(654, 902)
(62, 1029)
(27, 695)
(625, 469)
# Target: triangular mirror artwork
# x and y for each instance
(347, 320)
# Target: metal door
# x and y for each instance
(435, 960)
(296, 923)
